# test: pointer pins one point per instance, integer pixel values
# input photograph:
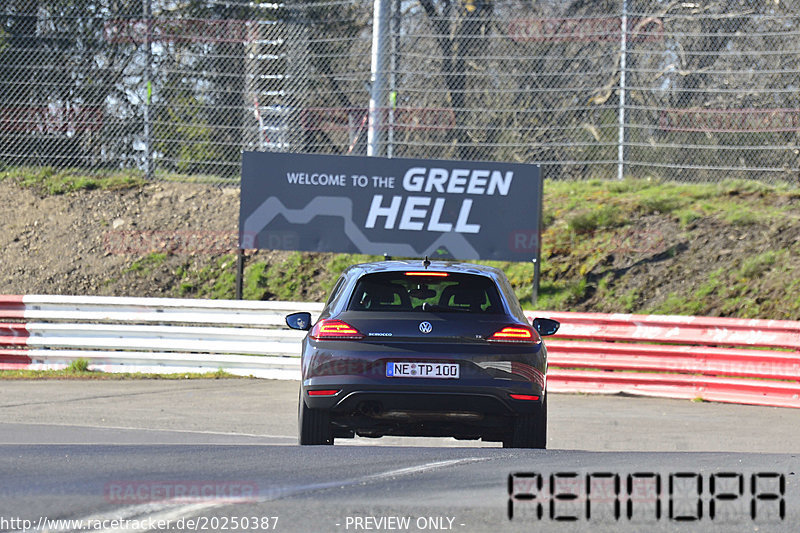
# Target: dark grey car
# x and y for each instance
(423, 349)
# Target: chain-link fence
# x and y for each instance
(690, 90)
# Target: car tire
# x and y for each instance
(314, 425)
(529, 431)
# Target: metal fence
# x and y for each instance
(693, 91)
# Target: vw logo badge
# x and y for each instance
(425, 327)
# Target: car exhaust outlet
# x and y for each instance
(371, 409)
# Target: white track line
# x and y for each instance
(198, 432)
(172, 511)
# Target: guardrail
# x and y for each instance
(152, 335)
(714, 359)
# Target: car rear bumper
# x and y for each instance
(450, 400)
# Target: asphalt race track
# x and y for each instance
(111, 455)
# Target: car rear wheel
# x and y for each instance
(314, 425)
(529, 431)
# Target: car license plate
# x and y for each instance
(422, 370)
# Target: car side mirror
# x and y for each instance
(300, 321)
(546, 326)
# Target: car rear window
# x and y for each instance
(424, 291)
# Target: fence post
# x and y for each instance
(148, 51)
(377, 104)
(537, 261)
(623, 43)
(240, 258)
(395, 31)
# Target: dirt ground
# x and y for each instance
(85, 242)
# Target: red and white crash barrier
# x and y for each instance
(152, 335)
(716, 359)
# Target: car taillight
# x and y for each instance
(329, 329)
(428, 274)
(514, 334)
(326, 392)
(526, 397)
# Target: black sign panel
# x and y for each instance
(399, 207)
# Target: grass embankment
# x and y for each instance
(636, 246)
(728, 249)
(48, 180)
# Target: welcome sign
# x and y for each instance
(398, 207)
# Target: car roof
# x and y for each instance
(435, 266)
